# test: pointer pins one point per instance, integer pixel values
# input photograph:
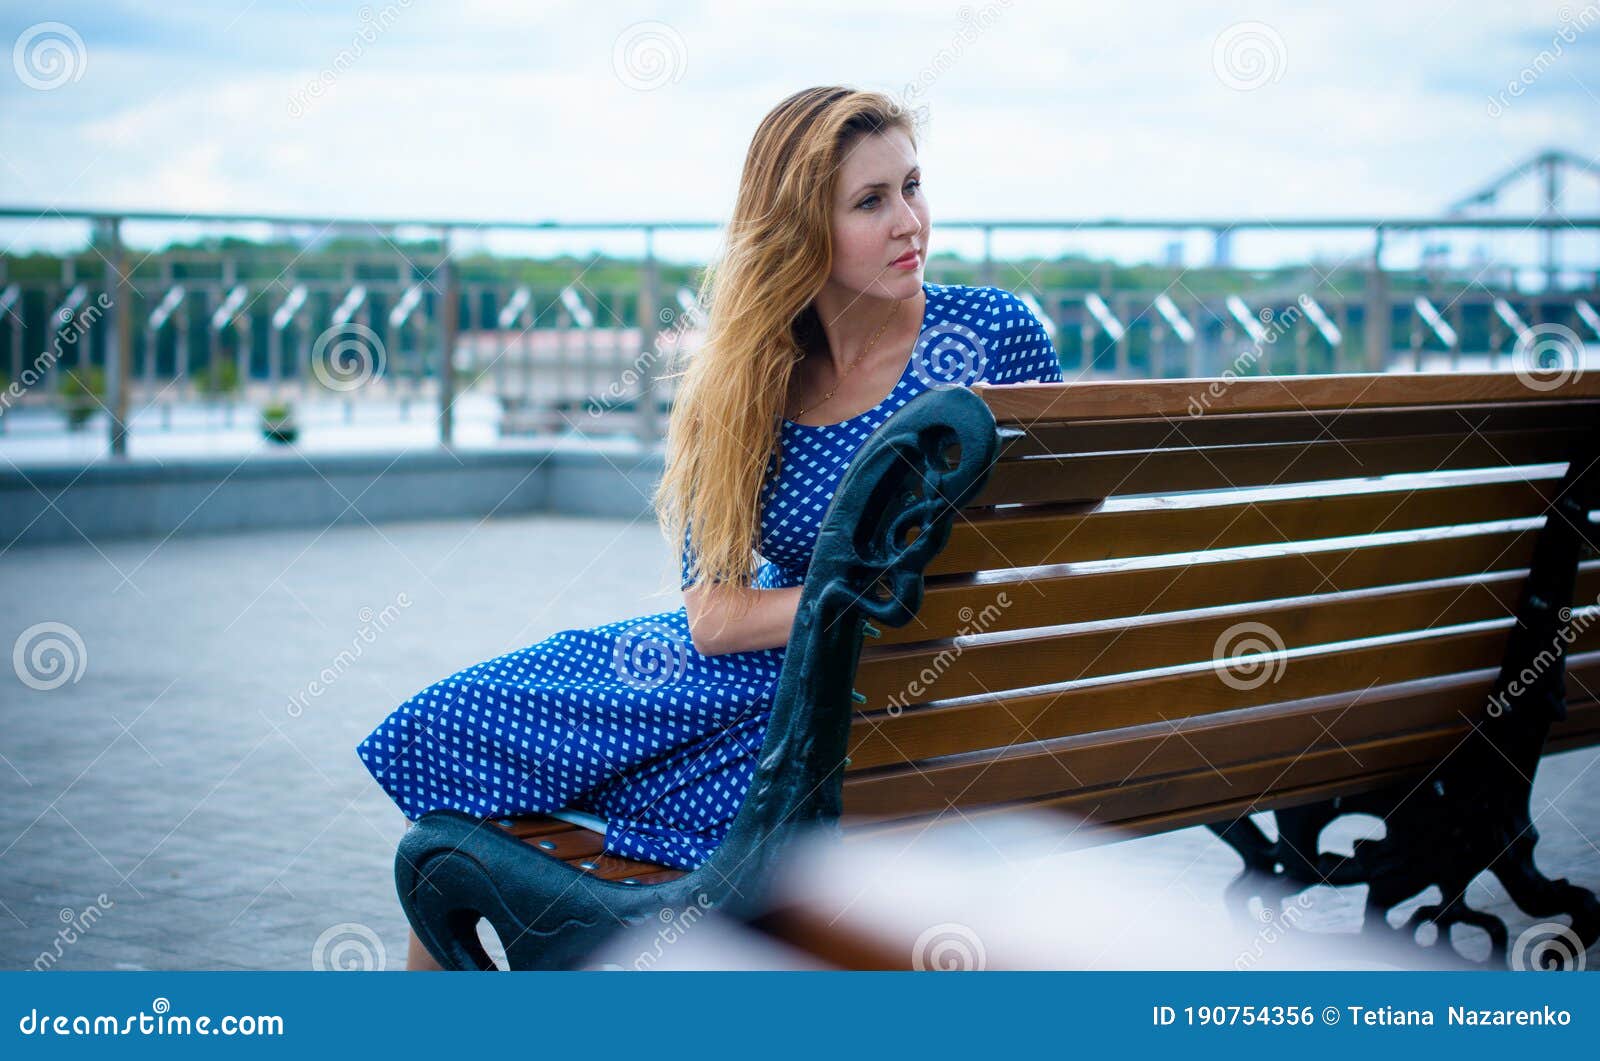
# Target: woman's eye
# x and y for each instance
(866, 203)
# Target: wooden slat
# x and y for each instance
(1409, 757)
(1090, 436)
(999, 538)
(946, 668)
(914, 734)
(1120, 756)
(533, 825)
(561, 839)
(1152, 796)
(1219, 796)
(616, 867)
(1048, 596)
(1080, 478)
(1228, 810)
(1101, 831)
(576, 845)
(1125, 399)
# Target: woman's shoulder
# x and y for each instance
(993, 307)
(1013, 344)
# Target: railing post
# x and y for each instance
(13, 361)
(1379, 324)
(1341, 320)
(118, 361)
(448, 318)
(648, 424)
(1222, 247)
(1120, 345)
(1302, 355)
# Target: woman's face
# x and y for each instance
(879, 214)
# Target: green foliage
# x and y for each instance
(221, 378)
(277, 422)
(83, 390)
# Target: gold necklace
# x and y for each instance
(870, 343)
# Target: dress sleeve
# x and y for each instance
(1023, 351)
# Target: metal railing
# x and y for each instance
(111, 332)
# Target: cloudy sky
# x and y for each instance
(509, 109)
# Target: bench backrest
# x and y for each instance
(1145, 615)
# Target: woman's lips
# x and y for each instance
(907, 261)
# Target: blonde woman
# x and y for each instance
(820, 326)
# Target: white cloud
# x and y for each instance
(1084, 111)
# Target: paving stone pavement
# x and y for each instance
(191, 800)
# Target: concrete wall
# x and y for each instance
(145, 498)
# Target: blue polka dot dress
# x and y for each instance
(627, 722)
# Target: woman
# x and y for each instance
(819, 327)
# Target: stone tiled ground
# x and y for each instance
(190, 778)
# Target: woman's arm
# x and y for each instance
(724, 619)
(716, 625)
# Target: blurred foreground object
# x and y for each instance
(1028, 891)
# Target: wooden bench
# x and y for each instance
(1153, 605)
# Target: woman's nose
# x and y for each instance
(906, 222)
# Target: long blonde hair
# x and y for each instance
(724, 427)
